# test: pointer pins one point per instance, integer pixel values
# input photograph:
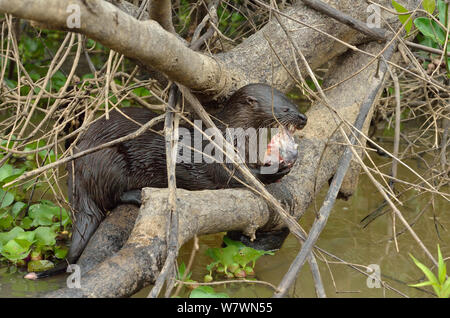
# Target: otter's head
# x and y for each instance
(260, 105)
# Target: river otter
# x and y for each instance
(100, 181)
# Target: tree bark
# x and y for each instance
(141, 258)
(253, 61)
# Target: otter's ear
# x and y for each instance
(252, 101)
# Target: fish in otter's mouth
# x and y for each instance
(282, 148)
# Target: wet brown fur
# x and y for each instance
(98, 180)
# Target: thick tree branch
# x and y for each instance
(161, 12)
(319, 37)
(145, 41)
(320, 6)
(250, 62)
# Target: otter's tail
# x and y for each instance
(85, 223)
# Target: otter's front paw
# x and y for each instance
(271, 174)
(131, 197)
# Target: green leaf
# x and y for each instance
(5, 171)
(227, 255)
(10, 83)
(15, 173)
(403, 18)
(428, 273)
(430, 29)
(6, 220)
(442, 270)
(441, 8)
(34, 145)
(440, 33)
(424, 26)
(211, 266)
(206, 292)
(428, 42)
(41, 214)
(230, 242)
(181, 271)
(87, 76)
(248, 254)
(31, 44)
(26, 223)
(429, 6)
(214, 253)
(423, 284)
(16, 250)
(28, 237)
(44, 213)
(5, 143)
(6, 198)
(141, 91)
(235, 17)
(7, 236)
(35, 76)
(45, 236)
(58, 80)
(445, 290)
(61, 252)
(17, 207)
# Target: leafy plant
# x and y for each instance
(49, 222)
(197, 291)
(432, 34)
(405, 19)
(28, 230)
(35, 234)
(440, 284)
(233, 260)
(182, 276)
(229, 21)
(184, 16)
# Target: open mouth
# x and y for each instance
(290, 129)
(291, 125)
(282, 149)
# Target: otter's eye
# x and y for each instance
(285, 110)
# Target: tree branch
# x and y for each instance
(318, 36)
(145, 41)
(320, 6)
(249, 62)
(161, 12)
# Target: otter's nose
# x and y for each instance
(302, 119)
